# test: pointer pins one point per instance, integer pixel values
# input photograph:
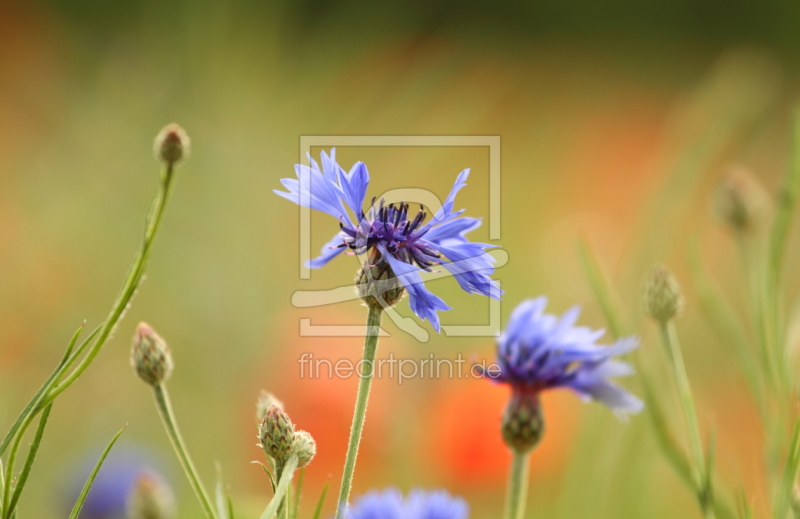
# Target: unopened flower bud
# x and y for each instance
(375, 281)
(304, 447)
(740, 201)
(277, 434)
(663, 299)
(523, 421)
(150, 498)
(265, 400)
(150, 356)
(172, 144)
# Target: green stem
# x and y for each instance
(669, 339)
(370, 347)
(135, 274)
(12, 459)
(518, 486)
(167, 416)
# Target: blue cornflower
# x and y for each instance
(539, 351)
(390, 504)
(393, 238)
(543, 351)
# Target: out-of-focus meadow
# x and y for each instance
(614, 121)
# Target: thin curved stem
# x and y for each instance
(370, 347)
(168, 418)
(134, 277)
(518, 486)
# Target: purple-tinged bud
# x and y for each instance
(150, 498)
(172, 144)
(523, 421)
(150, 356)
(277, 434)
(663, 299)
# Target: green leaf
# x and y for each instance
(26, 469)
(269, 474)
(32, 406)
(280, 490)
(318, 509)
(88, 485)
(220, 498)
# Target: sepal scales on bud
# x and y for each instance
(523, 423)
(280, 439)
(277, 434)
(304, 447)
(662, 297)
(377, 283)
(150, 356)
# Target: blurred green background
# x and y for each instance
(614, 119)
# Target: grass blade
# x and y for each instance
(88, 486)
(318, 509)
(48, 384)
(219, 496)
(26, 469)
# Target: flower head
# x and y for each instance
(539, 351)
(390, 504)
(392, 235)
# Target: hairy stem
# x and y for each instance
(364, 384)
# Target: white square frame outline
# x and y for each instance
(490, 141)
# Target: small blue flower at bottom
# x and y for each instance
(419, 504)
